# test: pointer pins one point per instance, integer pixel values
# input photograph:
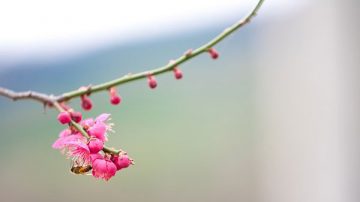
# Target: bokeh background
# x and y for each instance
(275, 119)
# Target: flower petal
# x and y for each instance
(102, 117)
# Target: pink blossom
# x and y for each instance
(98, 128)
(65, 138)
(95, 145)
(122, 161)
(79, 151)
(85, 151)
(73, 145)
(103, 168)
(103, 117)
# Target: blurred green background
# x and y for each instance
(275, 118)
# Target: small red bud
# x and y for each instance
(177, 73)
(115, 99)
(86, 103)
(152, 81)
(76, 116)
(64, 117)
(213, 53)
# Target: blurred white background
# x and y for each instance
(40, 28)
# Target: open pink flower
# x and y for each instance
(103, 168)
(79, 151)
(98, 128)
(65, 137)
(74, 145)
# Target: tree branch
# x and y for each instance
(132, 77)
(41, 97)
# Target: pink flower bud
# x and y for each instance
(103, 168)
(115, 99)
(213, 53)
(76, 116)
(95, 145)
(177, 73)
(64, 117)
(86, 103)
(122, 161)
(152, 81)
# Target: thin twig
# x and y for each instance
(41, 97)
(131, 77)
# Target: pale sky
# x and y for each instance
(40, 28)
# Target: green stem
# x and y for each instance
(166, 68)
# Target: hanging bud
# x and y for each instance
(177, 73)
(152, 81)
(76, 116)
(64, 117)
(86, 103)
(115, 99)
(213, 53)
(122, 161)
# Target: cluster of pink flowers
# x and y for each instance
(87, 152)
